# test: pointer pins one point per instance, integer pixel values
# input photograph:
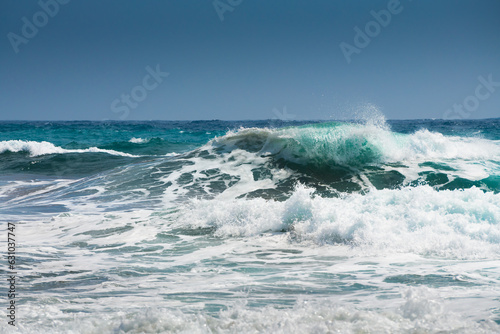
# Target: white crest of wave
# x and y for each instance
(453, 224)
(425, 144)
(138, 140)
(370, 142)
(42, 148)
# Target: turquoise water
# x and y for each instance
(254, 226)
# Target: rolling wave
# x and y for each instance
(334, 158)
(357, 145)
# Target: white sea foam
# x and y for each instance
(356, 241)
(43, 148)
(421, 311)
(453, 224)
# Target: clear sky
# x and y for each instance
(248, 59)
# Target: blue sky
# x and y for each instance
(94, 60)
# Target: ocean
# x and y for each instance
(366, 226)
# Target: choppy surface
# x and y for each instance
(202, 227)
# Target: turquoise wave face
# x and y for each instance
(355, 157)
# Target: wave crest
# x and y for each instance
(35, 148)
(356, 144)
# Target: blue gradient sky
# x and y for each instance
(263, 55)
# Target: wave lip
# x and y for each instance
(320, 144)
(356, 144)
(35, 148)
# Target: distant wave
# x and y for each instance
(138, 140)
(35, 148)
